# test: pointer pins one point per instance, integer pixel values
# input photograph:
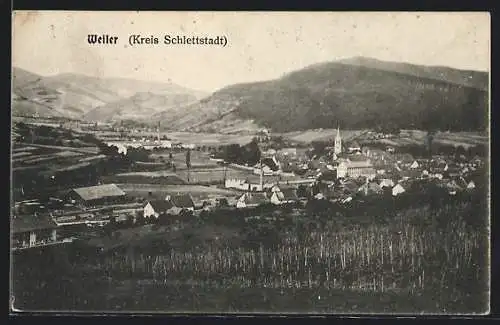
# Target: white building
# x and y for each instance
(386, 182)
(355, 169)
(250, 200)
(156, 207)
(243, 185)
(398, 189)
(288, 195)
(471, 185)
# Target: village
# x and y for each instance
(185, 180)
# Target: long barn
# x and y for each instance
(98, 195)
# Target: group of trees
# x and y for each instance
(434, 148)
(318, 148)
(387, 128)
(248, 154)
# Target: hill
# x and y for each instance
(140, 106)
(75, 96)
(355, 93)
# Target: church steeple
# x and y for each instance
(338, 143)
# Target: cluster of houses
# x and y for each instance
(341, 175)
(148, 144)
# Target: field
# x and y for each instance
(51, 158)
(398, 258)
(406, 137)
(319, 135)
(412, 260)
(198, 160)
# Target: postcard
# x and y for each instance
(329, 163)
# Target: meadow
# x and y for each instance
(406, 137)
(319, 135)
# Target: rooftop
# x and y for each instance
(289, 193)
(161, 205)
(358, 164)
(182, 201)
(255, 198)
(99, 192)
(28, 223)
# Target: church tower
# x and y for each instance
(338, 143)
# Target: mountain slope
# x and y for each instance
(140, 106)
(74, 96)
(358, 93)
(474, 79)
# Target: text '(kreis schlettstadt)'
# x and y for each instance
(171, 40)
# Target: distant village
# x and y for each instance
(343, 171)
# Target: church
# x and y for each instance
(338, 143)
(352, 168)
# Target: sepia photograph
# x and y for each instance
(329, 163)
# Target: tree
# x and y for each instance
(430, 138)
(318, 148)
(252, 152)
(223, 202)
(302, 191)
(188, 159)
(460, 150)
(232, 153)
(137, 154)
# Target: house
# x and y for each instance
(350, 187)
(370, 188)
(319, 196)
(471, 185)
(438, 176)
(355, 169)
(211, 204)
(239, 184)
(452, 170)
(180, 202)
(410, 174)
(97, 195)
(397, 190)
(156, 207)
(346, 200)
(265, 170)
(462, 182)
(404, 159)
(386, 183)
(269, 152)
(33, 231)
(269, 164)
(354, 147)
(453, 187)
(288, 151)
(251, 200)
(414, 165)
(287, 195)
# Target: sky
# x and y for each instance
(261, 45)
